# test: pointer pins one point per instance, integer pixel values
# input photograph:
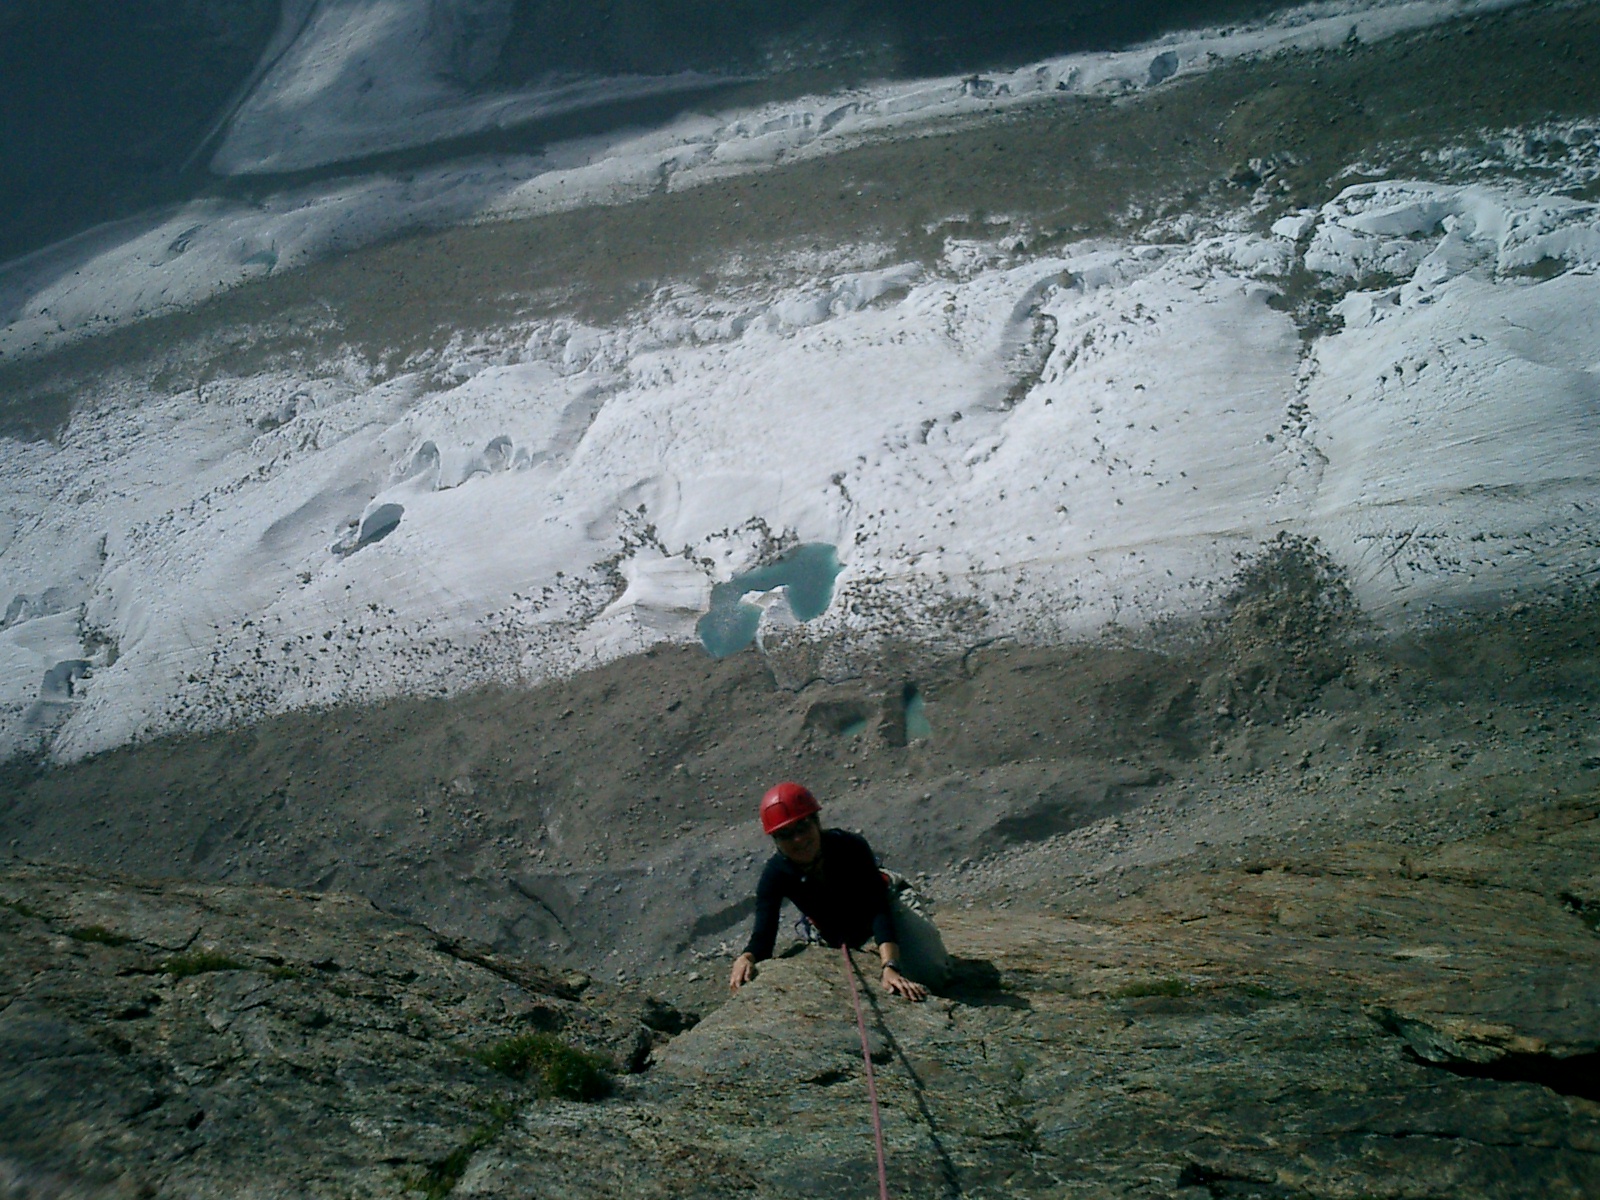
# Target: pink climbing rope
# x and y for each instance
(872, 1087)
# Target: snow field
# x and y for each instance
(368, 75)
(266, 543)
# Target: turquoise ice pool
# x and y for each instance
(807, 571)
(917, 727)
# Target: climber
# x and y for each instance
(832, 877)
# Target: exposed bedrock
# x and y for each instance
(1363, 1021)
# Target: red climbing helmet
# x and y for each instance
(784, 805)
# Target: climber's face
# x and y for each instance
(801, 843)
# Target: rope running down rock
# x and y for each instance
(866, 1058)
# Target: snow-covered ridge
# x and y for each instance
(363, 77)
(309, 100)
(366, 76)
(573, 494)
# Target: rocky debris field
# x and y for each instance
(1368, 1020)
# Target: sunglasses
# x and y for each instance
(794, 833)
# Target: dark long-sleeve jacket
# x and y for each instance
(844, 896)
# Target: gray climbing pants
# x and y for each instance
(922, 953)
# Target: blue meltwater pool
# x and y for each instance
(807, 571)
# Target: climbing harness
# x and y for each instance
(866, 1058)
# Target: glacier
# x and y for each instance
(268, 542)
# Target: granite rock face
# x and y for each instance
(1366, 1025)
(221, 1041)
(1374, 1020)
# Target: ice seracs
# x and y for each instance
(280, 541)
(1461, 407)
(664, 595)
